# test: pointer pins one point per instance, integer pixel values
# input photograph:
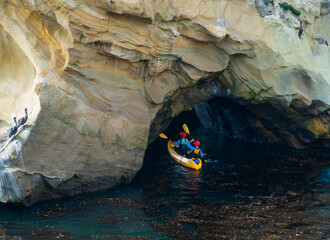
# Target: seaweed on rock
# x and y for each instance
(287, 6)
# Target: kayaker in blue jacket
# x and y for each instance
(183, 144)
(196, 152)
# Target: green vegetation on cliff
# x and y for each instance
(287, 6)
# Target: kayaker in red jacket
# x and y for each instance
(196, 152)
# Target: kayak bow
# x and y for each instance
(187, 162)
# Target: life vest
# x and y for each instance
(184, 141)
(196, 150)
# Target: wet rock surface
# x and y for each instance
(262, 123)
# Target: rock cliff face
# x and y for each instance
(102, 77)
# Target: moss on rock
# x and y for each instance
(316, 127)
(287, 6)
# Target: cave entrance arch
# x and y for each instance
(238, 119)
(221, 115)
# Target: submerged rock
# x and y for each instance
(102, 78)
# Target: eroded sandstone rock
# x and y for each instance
(100, 78)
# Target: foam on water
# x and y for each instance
(18, 147)
(9, 189)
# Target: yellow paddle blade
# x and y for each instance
(162, 135)
(185, 128)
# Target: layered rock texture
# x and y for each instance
(102, 77)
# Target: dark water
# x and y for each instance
(245, 191)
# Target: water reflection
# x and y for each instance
(245, 191)
(324, 176)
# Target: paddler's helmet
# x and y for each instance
(183, 134)
(197, 143)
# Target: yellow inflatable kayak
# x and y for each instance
(188, 162)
